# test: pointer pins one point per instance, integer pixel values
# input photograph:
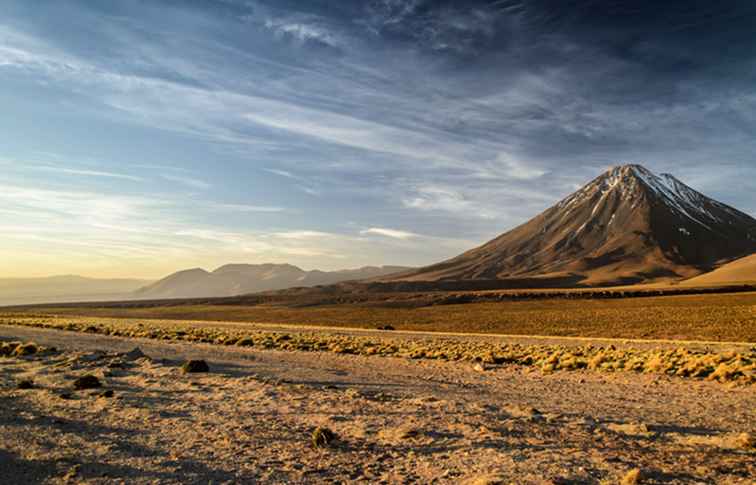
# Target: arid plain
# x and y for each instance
(653, 389)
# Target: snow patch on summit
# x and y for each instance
(679, 196)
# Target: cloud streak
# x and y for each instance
(300, 129)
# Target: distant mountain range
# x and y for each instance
(627, 226)
(228, 280)
(238, 279)
(67, 288)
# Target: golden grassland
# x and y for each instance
(708, 317)
(737, 367)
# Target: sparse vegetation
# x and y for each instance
(715, 317)
(737, 367)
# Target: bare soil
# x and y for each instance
(250, 419)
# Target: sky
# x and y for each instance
(138, 138)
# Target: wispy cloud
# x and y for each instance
(85, 173)
(302, 31)
(392, 233)
(188, 181)
(244, 207)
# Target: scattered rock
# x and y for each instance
(92, 356)
(195, 366)
(479, 367)
(87, 382)
(323, 437)
(134, 354)
(25, 384)
(106, 393)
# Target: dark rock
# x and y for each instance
(87, 382)
(194, 366)
(134, 354)
(323, 437)
(25, 384)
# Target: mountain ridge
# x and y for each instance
(237, 279)
(626, 226)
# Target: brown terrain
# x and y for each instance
(271, 416)
(742, 270)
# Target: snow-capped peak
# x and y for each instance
(677, 195)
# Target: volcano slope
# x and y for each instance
(627, 226)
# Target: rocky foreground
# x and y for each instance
(95, 410)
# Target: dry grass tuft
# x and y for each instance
(633, 477)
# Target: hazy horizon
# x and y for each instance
(142, 139)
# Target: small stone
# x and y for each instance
(107, 393)
(195, 366)
(87, 382)
(25, 384)
(479, 367)
(134, 354)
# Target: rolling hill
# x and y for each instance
(741, 270)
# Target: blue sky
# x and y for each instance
(139, 137)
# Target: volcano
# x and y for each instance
(627, 226)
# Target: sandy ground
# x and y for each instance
(397, 420)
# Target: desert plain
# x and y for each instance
(625, 390)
